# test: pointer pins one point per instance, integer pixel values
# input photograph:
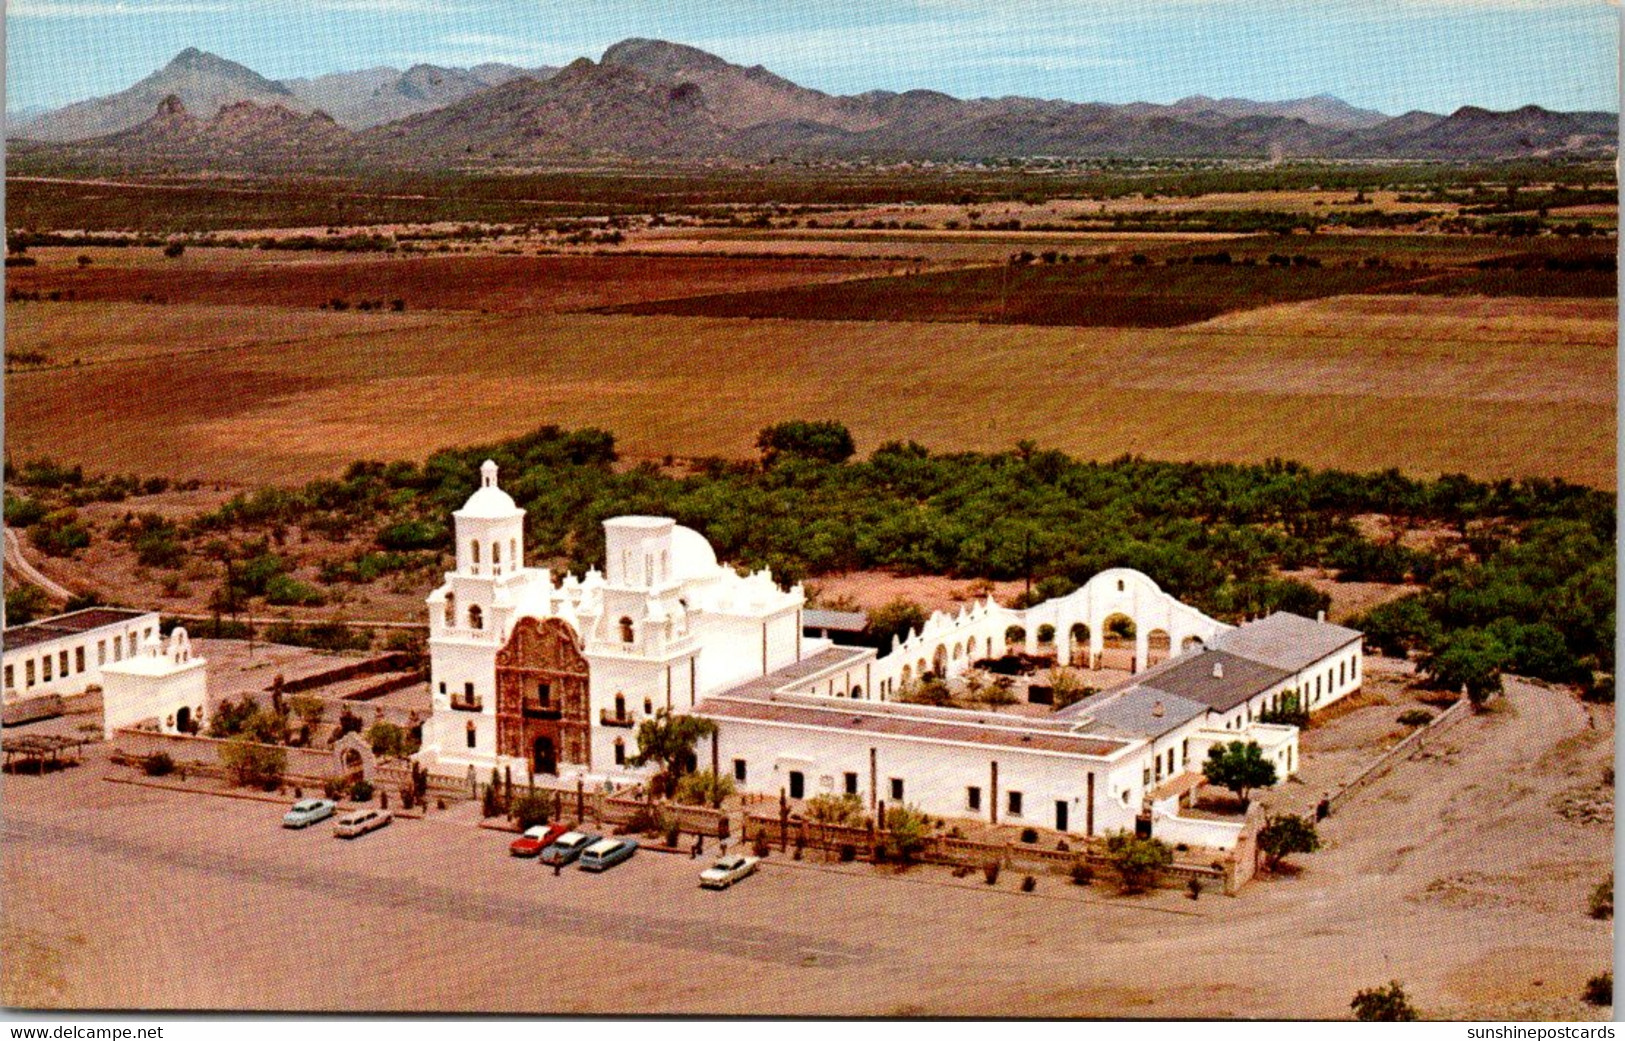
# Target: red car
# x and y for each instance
(534, 840)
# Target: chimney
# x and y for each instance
(1218, 670)
(1320, 616)
(1157, 709)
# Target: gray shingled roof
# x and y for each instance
(837, 621)
(1137, 711)
(1287, 641)
(1191, 676)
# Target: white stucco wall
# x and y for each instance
(85, 652)
(935, 774)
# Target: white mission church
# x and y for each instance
(551, 677)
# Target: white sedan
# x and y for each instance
(727, 871)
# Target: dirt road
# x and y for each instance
(1457, 874)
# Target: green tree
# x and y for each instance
(894, 620)
(390, 740)
(24, 603)
(1238, 767)
(669, 739)
(1284, 834)
(1137, 860)
(253, 765)
(1468, 658)
(824, 440)
(926, 692)
(531, 808)
(1383, 1005)
(906, 831)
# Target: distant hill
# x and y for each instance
(243, 134)
(373, 96)
(651, 99)
(203, 82)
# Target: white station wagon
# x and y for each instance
(359, 822)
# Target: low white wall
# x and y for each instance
(1193, 831)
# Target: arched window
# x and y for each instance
(476, 618)
(474, 548)
(1119, 585)
(513, 553)
(620, 751)
(620, 706)
(857, 691)
(451, 610)
(626, 630)
(496, 558)
(648, 707)
(470, 733)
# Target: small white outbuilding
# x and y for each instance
(162, 682)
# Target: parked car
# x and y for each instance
(728, 870)
(359, 822)
(567, 847)
(306, 812)
(606, 853)
(535, 839)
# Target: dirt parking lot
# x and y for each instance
(1459, 873)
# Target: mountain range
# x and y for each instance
(649, 99)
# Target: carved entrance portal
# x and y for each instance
(542, 697)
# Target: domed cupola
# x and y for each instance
(490, 530)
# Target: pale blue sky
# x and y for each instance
(1392, 55)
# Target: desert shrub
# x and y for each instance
(759, 847)
(906, 830)
(158, 764)
(1601, 904)
(1599, 990)
(333, 788)
(1029, 834)
(674, 834)
(703, 788)
(361, 790)
(1029, 884)
(21, 511)
(413, 534)
(848, 853)
(990, 872)
(287, 591)
(1194, 887)
(1416, 717)
(1082, 873)
(828, 808)
(531, 808)
(1383, 1005)
(60, 533)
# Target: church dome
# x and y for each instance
(489, 502)
(691, 555)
